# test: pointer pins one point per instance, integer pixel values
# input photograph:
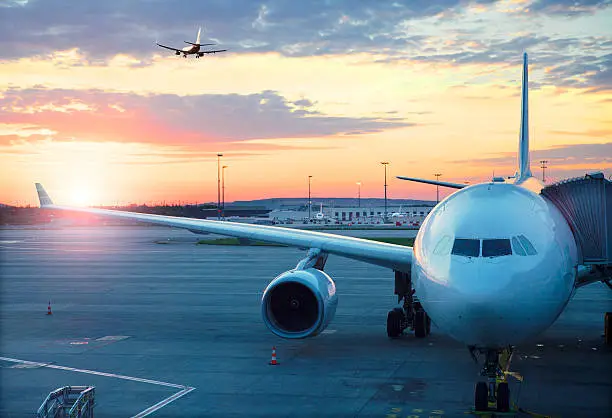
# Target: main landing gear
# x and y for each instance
(411, 314)
(494, 394)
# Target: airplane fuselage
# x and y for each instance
(511, 273)
(191, 49)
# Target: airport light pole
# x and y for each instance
(358, 194)
(309, 201)
(437, 188)
(223, 191)
(385, 164)
(219, 186)
(544, 167)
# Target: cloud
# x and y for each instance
(454, 32)
(568, 7)
(574, 154)
(103, 29)
(93, 115)
(578, 62)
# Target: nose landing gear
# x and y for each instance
(411, 314)
(494, 394)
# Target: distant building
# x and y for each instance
(377, 212)
(370, 214)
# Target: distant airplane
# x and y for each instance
(493, 264)
(193, 49)
(320, 215)
(399, 213)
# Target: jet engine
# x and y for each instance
(299, 303)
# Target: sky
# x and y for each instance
(94, 110)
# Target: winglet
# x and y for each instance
(43, 197)
(524, 168)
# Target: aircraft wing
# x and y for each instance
(435, 182)
(212, 52)
(397, 257)
(169, 47)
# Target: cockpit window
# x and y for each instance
(443, 246)
(517, 247)
(466, 247)
(527, 245)
(496, 247)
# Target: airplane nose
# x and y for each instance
(488, 303)
(482, 281)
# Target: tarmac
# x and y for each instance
(175, 330)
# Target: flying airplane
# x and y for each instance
(493, 264)
(193, 49)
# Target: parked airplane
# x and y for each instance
(399, 213)
(492, 265)
(193, 49)
(320, 215)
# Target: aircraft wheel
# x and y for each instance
(481, 396)
(503, 397)
(394, 323)
(421, 324)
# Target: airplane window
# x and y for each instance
(466, 247)
(496, 247)
(443, 246)
(527, 245)
(517, 247)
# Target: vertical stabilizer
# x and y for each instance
(43, 197)
(524, 168)
(198, 37)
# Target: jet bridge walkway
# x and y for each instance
(69, 402)
(586, 203)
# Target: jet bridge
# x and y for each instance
(586, 204)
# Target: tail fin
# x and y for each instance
(198, 37)
(524, 168)
(43, 197)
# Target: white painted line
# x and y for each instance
(113, 338)
(184, 389)
(163, 403)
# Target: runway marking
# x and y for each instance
(163, 403)
(182, 392)
(113, 338)
(416, 413)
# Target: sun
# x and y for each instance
(81, 197)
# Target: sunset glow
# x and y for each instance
(107, 119)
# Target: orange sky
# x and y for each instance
(146, 127)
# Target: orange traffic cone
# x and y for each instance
(49, 309)
(273, 362)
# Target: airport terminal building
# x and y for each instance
(370, 214)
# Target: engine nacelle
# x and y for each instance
(299, 303)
